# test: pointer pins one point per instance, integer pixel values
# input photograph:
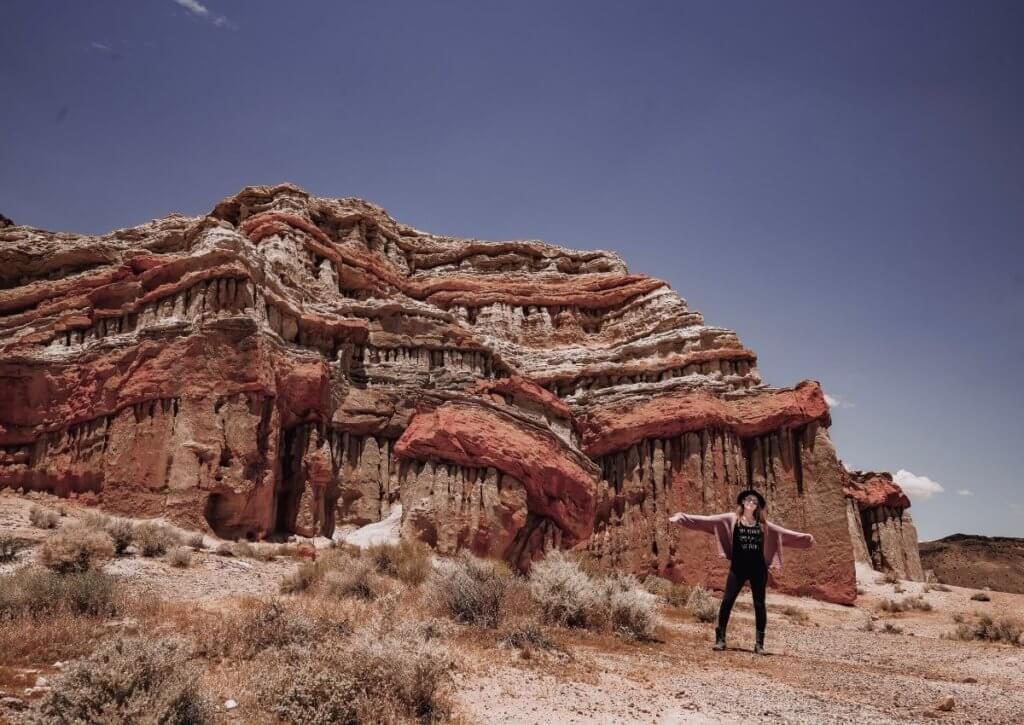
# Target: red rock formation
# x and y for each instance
(881, 529)
(289, 364)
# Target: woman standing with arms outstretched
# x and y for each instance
(753, 545)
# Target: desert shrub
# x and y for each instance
(359, 580)
(122, 532)
(473, 590)
(300, 579)
(525, 635)
(179, 556)
(795, 613)
(154, 539)
(32, 591)
(631, 613)
(905, 604)
(702, 605)
(869, 624)
(568, 596)
(408, 561)
(986, 629)
(671, 593)
(891, 628)
(129, 680)
(224, 549)
(43, 518)
(195, 541)
(980, 597)
(958, 617)
(565, 593)
(9, 547)
(243, 549)
(270, 624)
(941, 588)
(891, 578)
(372, 679)
(75, 548)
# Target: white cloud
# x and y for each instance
(193, 7)
(965, 492)
(837, 401)
(199, 10)
(96, 45)
(915, 486)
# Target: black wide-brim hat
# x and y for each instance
(747, 492)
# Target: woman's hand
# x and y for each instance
(812, 540)
(675, 518)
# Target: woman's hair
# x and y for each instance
(759, 517)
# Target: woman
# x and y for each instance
(753, 545)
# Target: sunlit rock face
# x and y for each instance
(289, 364)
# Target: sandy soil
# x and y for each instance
(825, 669)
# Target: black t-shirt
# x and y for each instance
(747, 544)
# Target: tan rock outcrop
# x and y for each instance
(881, 529)
(290, 363)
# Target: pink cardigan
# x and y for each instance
(721, 526)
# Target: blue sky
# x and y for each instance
(841, 183)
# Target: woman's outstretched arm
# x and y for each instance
(696, 521)
(796, 539)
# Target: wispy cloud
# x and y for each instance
(919, 487)
(201, 11)
(837, 401)
(97, 45)
(965, 492)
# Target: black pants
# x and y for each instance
(758, 578)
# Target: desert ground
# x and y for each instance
(826, 663)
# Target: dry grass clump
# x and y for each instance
(1007, 629)
(891, 628)
(905, 604)
(9, 547)
(701, 605)
(196, 541)
(473, 590)
(359, 580)
(526, 635)
(154, 539)
(300, 579)
(43, 518)
(75, 548)
(129, 680)
(407, 561)
(258, 626)
(941, 588)
(795, 613)
(121, 531)
(34, 592)
(890, 578)
(672, 593)
(568, 596)
(373, 677)
(980, 597)
(179, 556)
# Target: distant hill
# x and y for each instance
(970, 560)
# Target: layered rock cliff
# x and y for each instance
(881, 529)
(289, 363)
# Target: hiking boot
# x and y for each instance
(719, 639)
(759, 644)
